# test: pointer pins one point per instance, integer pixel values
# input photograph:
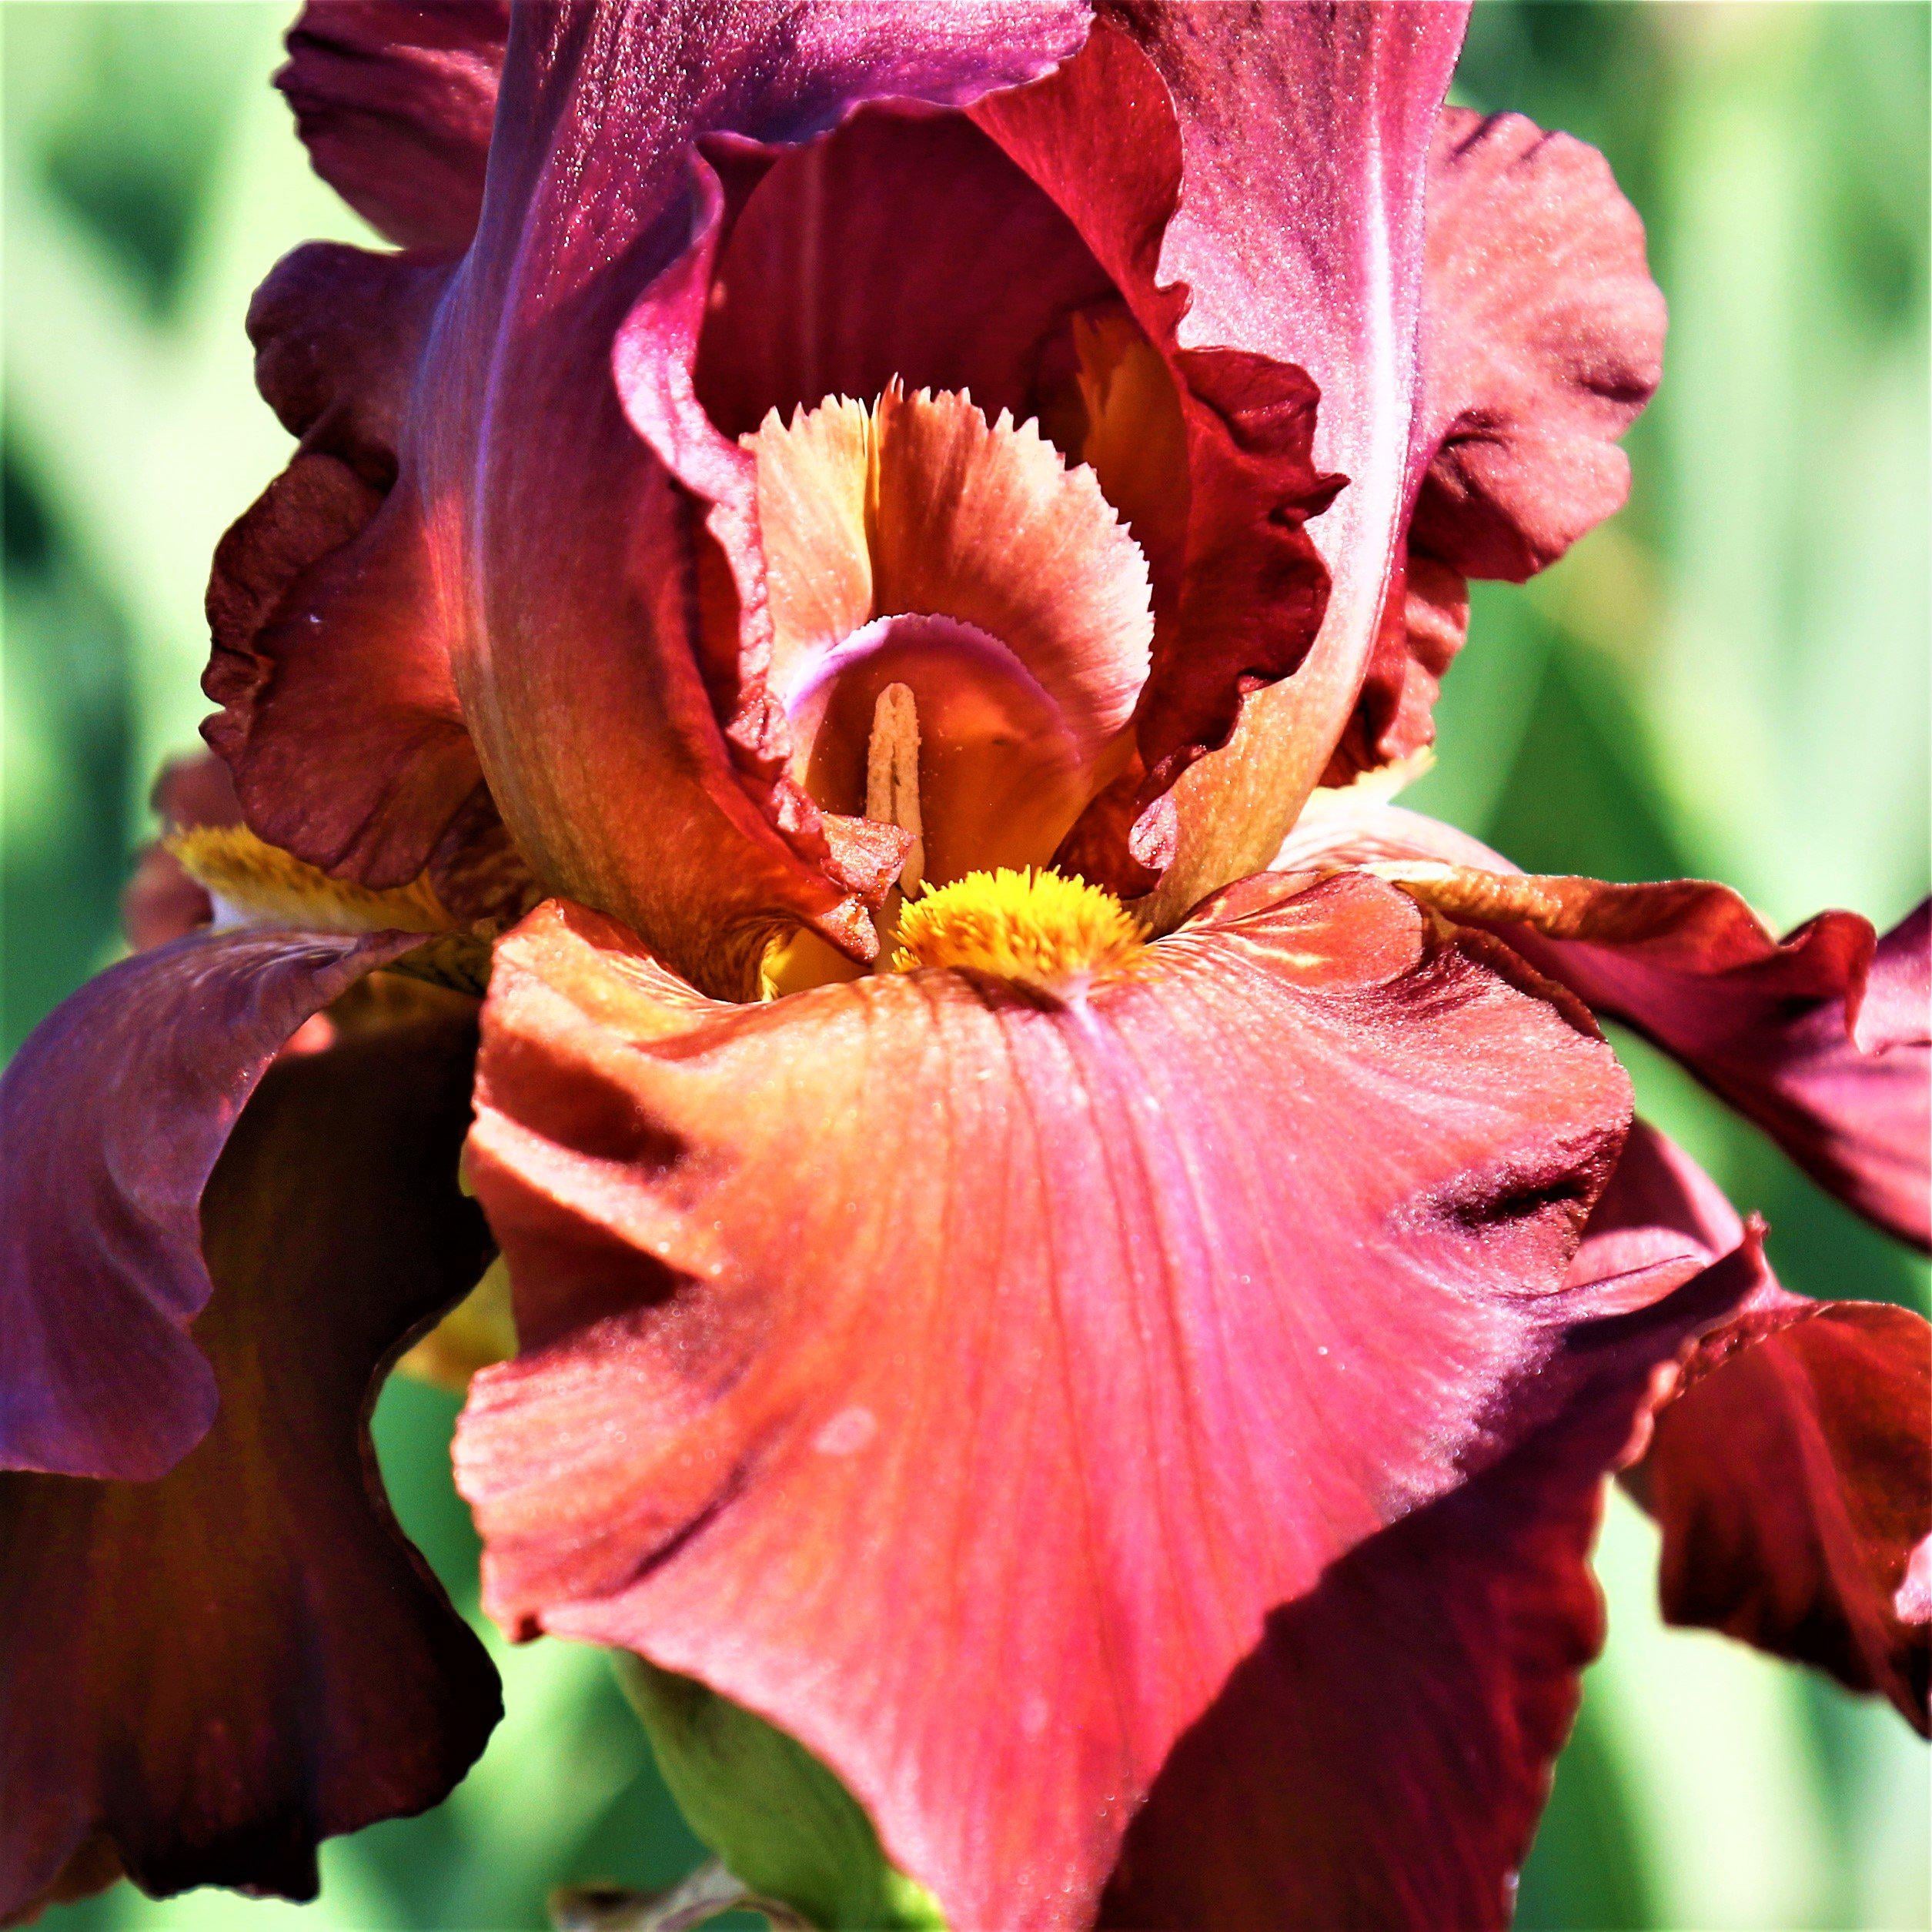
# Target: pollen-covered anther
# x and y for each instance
(1036, 927)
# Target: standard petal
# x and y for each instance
(966, 1381)
(1295, 137)
(1790, 1464)
(201, 1677)
(394, 100)
(1824, 1037)
(111, 1117)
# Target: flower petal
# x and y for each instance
(1824, 1037)
(113, 1114)
(1790, 1467)
(1543, 338)
(203, 1676)
(963, 1380)
(340, 715)
(394, 100)
(1296, 245)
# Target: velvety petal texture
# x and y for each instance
(1790, 1467)
(394, 99)
(112, 1116)
(203, 1676)
(1235, 1282)
(1542, 338)
(1822, 1038)
(1265, 219)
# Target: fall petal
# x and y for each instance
(819, 1298)
(394, 99)
(1792, 1473)
(1824, 1037)
(203, 1674)
(1790, 1467)
(114, 1114)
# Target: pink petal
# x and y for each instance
(991, 1391)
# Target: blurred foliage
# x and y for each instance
(1730, 679)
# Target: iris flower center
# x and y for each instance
(961, 627)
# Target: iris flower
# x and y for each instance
(1078, 1276)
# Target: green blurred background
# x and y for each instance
(1730, 680)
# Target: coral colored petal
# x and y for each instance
(1790, 1467)
(113, 1115)
(1824, 1037)
(970, 1383)
(201, 1677)
(394, 100)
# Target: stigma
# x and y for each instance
(892, 777)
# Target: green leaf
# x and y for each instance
(770, 1810)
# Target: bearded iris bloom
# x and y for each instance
(865, 570)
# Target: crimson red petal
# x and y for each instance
(1790, 1467)
(394, 99)
(111, 1117)
(1543, 338)
(1822, 1038)
(203, 1676)
(963, 1381)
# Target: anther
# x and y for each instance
(892, 776)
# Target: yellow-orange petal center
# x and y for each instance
(1036, 927)
(255, 883)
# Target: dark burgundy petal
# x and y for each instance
(339, 716)
(111, 1117)
(1413, 1702)
(394, 99)
(1790, 1467)
(821, 1299)
(201, 1676)
(1543, 339)
(1822, 1038)
(1791, 1471)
